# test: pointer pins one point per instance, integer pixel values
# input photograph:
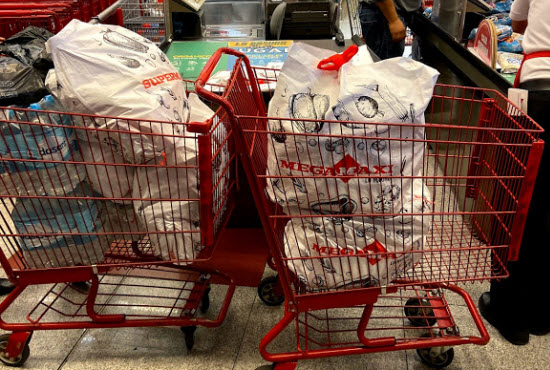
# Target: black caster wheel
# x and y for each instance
(434, 358)
(270, 291)
(419, 313)
(205, 301)
(189, 333)
(13, 361)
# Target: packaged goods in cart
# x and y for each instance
(37, 143)
(111, 71)
(46, 224)
(361, 251)
(319, 167)
(172, 216)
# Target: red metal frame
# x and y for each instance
(130, 285)
(80, 9)
(64, 10)
(487, 161)
(13, 21)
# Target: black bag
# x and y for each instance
(29, 47)
(20, 84)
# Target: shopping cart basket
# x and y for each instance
(63, 10)
(350, 15)
(145, 17)
(13, 21)
(80, 9)
(480, 161)
(58, 232)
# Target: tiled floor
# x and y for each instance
(234, 345)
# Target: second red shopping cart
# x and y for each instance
(479, 160)
(130, 249)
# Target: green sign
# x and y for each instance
(189, 57)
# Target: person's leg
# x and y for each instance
(377, 33)
(536, 244)
(512, 305)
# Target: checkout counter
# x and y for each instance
(443, 38)
(195, 35)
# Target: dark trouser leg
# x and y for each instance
(535, 252)
(377, 34)
(517, 299)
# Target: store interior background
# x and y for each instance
(234, 345)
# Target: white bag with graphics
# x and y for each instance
(360, 251)
(171, 218)
(111, 71)
(322, 169)
(108, 180)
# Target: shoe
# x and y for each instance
(514, 335)
(540, 330)
(6, 286)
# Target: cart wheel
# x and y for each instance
(13, 361)
(270, 291)
(419, 313)
(189, 333)
(205, 301)
(432, 358)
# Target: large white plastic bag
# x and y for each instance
(407, 83)
(374, 93)
(109, 181)
(161, 184)
(344, 249)
(112, 71)
(180, 219)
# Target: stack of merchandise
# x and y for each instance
(510, 51)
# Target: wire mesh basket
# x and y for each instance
(145, 17)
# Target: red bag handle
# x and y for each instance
(335, 62)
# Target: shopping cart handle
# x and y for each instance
(205, 75)
(209, 67)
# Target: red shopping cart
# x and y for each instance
(79, 8)
(13, 21)
(63, 10)
(138, 273)
(479, 160)
(145, 17)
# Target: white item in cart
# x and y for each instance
(172, 215)
(108, 180)
(358, 251)
(28, 135)
(122, 220)
(361, 165)
(111, 71)
(174, 208)
(54, 232)
(393, 91)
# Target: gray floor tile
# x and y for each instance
(164, 348)
(263, 318)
